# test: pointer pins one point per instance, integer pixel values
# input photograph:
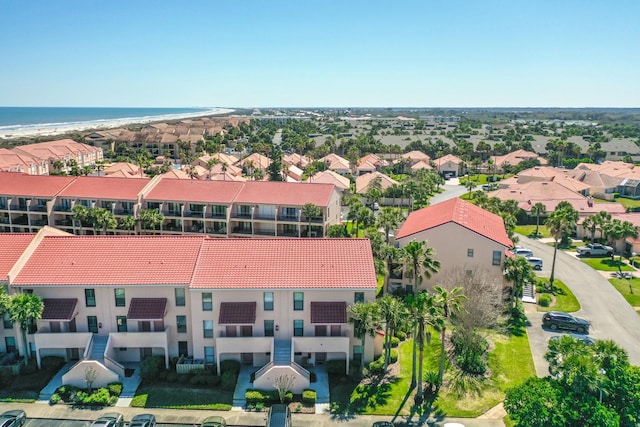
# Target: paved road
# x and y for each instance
(610, 315)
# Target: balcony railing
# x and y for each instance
(289, 218)
(194, 214)
(121, 211)
(171, 213)
(38, 208)
(241, 215)
(217, 215)
(62, 208)
(241, 230)
(288, 233)
(218, 231)
(268, 217)
(265, 232)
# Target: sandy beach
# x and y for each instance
(51, 129)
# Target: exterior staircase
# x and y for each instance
(98, 348)
(282, 353)
(529, 293)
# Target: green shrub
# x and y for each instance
(215, 380)
(544, 300)
(395, 341)
(51, 363)
(336, 367)
(115, 389)
(402, 335)
(183, 378)
(228, 382)
(377, 366)
(309, 397)
(30, 368)
(393, 356)
(265, 397)
(162, 375)
(232, 366)
(150, 367)
(470, 350)
(100, 397)
(253, 396)
(172, 377)
(55, 398)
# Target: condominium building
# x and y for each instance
(280, 304)
(215, 208)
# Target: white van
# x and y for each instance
(535, 262)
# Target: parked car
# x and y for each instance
(382, 424)
(110, 419)
(143, 420)
(587, 340)
(15, 418)
(595, 249)
(559, 320)
(520, 251)
(214, 421)
(376, 206)
(535, 262)
(279, 416)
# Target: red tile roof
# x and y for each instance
(111, 260)
(237, 313)
(193, 190)
(285, 193)
(13, 246)
(147, 308)
(96, 187)
(458, 211)
(328, 312)
(13, 183)
(59, 308)
(285, 264)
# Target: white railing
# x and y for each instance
(300, 370)
(88, 348)
(114, 366)
(264, 369)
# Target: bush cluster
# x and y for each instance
(104, 396)
(470, 350)
(544, 300)
(336, 367)
(309, 397)
(265, 397)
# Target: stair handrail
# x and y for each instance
(300, 370)
(262, 370)
(88, 348)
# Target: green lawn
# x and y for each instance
(351, 228)
(628, 203)
(622, 285)
(510, 363)
(565, 300)
(178, 396)
(605, 264)
(528, 230)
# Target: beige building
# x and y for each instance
(457, 230)
(63, 151)
(112, 300)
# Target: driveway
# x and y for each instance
(610, 315)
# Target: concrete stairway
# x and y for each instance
(98, 348)
(282, 353)
(529, 293)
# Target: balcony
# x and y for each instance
(263, 232)
(64, 222)
(194, 214)
(139, 339)
(172, 213)
(21, 220)
(241, 215)
(62, 208)
(288, 218)
(123, 211)
(241, 230)
(219, 231)
(289, 233)
(264, 216)
(38, 208)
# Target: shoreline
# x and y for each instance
(53, 129)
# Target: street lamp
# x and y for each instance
(602, 372)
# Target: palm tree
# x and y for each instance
(210, 164)
(25, 309)
(538, 210)
(519, 272)
(450, 303)
(102, 219)
(560, 223)
(128, 223)
(424, 313)
(419, 261)
(363, 316)
(80, 214)
(590, 224)
(391, 311)
(311, 211)
(389, 219)
(389, 254)
(151, 218)
(602, 220)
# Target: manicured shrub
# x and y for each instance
(172, 377)
(55, 398)
(215, 380)
(393, 356)
(544, 300)
(232, 366)
(377, 366)
(309, 397)
(253, 396)
(395, 341)
(402, 335)
(183, 378)
(100, 397)
(115, 389)
(336, 367)
(150, 367)
(228, 382)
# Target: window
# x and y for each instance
(298, 328)
(497, 257)
(92, 324)
(120, 300)
(268, 328)
(357, 352)
(298, 301)
(231, 331)
(246, 331)
(90, 297)
(181, 324)
(470, 253)
(207, 327)
(207, 301)
(6, 319)
(321, 330)
(183, 348)
(358, 297)
(336, 331)
(268, 301)
(209, 355)
(180, 298)
(121, 322)
(10, 344)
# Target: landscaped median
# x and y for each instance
(606, 264)
(563, 299)
(630, 290)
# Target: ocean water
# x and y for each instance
(35, 117)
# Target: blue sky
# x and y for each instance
(306, 53)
